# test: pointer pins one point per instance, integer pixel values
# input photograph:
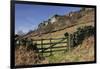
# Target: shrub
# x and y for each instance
(78, 36)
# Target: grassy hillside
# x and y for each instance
(86, 20)
(82, 52)
(64, 24)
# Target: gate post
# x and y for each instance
(69, 42)
(67, 35)
(42, 46)
(50, 47)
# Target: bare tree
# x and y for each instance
(20, 33)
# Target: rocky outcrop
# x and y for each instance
(58, 22)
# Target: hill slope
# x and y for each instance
(81, 53)
(63, 24)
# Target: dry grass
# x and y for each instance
(60, 34)
(84, 52)
(27, 57)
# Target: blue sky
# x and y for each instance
(27, 17)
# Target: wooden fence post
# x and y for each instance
(42, 46)
(67, 35)
(69, 41)
(50, 47)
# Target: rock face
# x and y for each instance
(65, 20)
